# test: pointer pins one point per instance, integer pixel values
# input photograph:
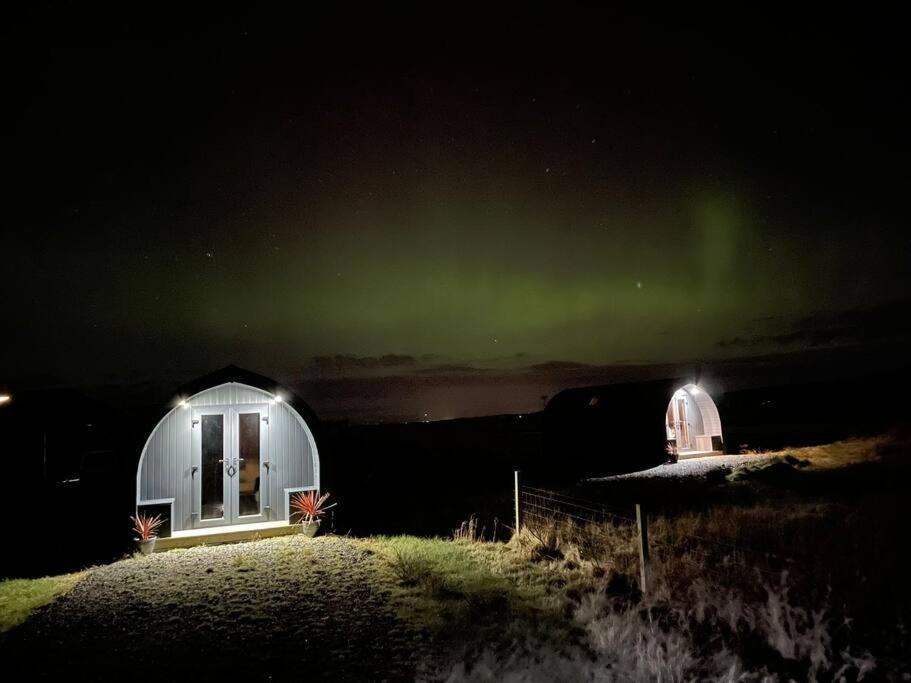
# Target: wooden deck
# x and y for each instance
(225, 534)
(686, 455)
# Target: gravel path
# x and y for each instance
(687, 469)
(278, 609)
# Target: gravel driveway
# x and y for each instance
(278, 609)
(688, 469)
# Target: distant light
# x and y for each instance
(5, 398)
(695, 390)
(183, 403)
(278, 398)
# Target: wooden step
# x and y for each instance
(225, 534)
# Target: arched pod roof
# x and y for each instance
(637, 394)
(616, 427)
(232, 373)
(709, 411)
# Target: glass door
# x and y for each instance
(683, 431)
(229, 460)
(248, 483)
(211, 451)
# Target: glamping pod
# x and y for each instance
(618, 428)
(228, 454)
(692, 423)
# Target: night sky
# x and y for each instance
(420, 202)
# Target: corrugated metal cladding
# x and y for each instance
(711, 421)
(165, 464)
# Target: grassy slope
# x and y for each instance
(832, 456)
(258, 609)
(432, 580)
(456, 598)
(19, 597)
(469, 598)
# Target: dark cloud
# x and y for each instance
(452, 369)
(350, 364)
(558, 365)
(403, 365)
(429, 358)
(889, 322)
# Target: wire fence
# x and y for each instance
(546, 506)
(541, 511)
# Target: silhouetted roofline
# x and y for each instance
(232, 373)
(576, 397)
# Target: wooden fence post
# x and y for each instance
(642, 524)
(518, 506)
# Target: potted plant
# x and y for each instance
(146, 527)
(310, 505)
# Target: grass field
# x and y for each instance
(19, 597)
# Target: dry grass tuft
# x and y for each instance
(839, 454)
(245, 563)
(690, 626)
(801, 586)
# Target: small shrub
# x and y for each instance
(412, 569)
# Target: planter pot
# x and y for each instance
(146, 547)
(309, 529)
